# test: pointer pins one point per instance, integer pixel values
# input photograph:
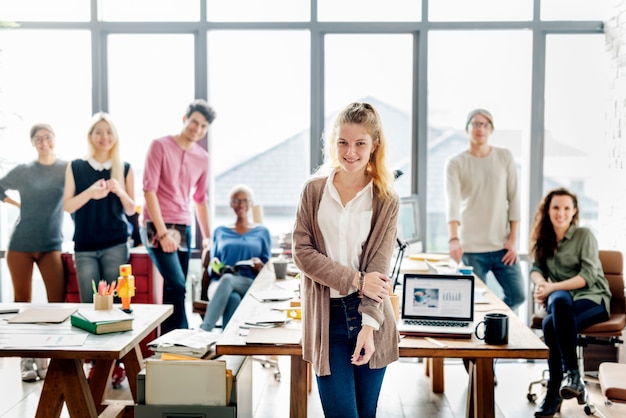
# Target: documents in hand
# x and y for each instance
(102, 321)
(189, 342)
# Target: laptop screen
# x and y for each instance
(438, 296)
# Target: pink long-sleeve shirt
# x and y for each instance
(173, 173)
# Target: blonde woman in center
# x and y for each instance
(99, 192)
(343, 238)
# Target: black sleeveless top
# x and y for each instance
(99, 224)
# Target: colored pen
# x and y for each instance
(93, 285)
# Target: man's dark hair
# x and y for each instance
(203, 107)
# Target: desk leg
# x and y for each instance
(66, 381)
(435, 371)
(133, 363)
(480, 392)
(298, 399)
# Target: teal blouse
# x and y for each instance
(577, 254)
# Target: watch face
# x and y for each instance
(175, 235)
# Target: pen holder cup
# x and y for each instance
(102, 302)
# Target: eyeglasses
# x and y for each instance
(40, 139)
(481, 124)
(239, 201)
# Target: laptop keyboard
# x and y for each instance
(436, 323)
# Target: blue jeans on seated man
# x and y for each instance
(173, 267)
(349, 391)
(509, 277)
(230, 290)
(98, 265)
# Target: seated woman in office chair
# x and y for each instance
(239, 252)
(569, 281)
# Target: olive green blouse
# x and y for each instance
(577, 254)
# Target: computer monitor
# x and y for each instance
(409, 223)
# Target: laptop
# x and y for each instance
(437, 305)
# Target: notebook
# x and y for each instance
(437, 305)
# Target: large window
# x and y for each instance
(277, 72)
(378, 69)
(469, 70)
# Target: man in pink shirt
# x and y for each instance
(176, 169)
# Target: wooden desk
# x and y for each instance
(66, 381)
(523, 343)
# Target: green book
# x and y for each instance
(101, 327)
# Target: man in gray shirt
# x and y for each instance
(484, 209)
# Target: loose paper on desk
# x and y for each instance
(194, 343)
(272, 295)
(48, 315)
(279, 335)
(42, 340)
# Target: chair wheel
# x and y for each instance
(277, 376)
(589, 410)
(532, 397)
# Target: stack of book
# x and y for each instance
(102, 321)
(186, 342)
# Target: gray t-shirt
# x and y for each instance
(38, 228)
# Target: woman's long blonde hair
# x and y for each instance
(117, 168)
(365, 115)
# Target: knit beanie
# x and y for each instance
(475, 112)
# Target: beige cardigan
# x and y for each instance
(321, 273)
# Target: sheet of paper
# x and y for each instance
(279, 335)
(197, 339)
(273, 295)
(53, 315)
(43, 340)
(108, 315)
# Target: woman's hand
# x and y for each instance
(258, 264)
(542, 291)
(114, 186)
(376, 286)
(98, 190)
(364, 346)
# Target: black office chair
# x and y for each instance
(604, 333)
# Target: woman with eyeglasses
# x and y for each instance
(37, 236)
(239, 252)
(570, 282)
(99, 192)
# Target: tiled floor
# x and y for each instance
(405, 393)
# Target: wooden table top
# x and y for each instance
(105, 346)
(523, 343)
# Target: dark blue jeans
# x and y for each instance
(173, 267)
(560, 329)
(349, 391)
(509, 277)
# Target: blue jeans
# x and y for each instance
(560, 330)
(228, 295)
(349, 391)
(98, 265)
(173, 267)
(509, 277)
